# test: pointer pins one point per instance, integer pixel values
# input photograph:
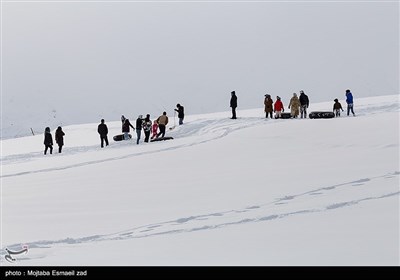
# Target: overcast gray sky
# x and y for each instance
(91, 60)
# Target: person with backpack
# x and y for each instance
(147, 128)
(102, 129)
(349, 101)
(181, 113)
(337, 107)
(48, 140)
(162, 123)
(268, 105)
(59, 136)
(304, 102)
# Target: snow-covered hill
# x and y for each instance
(251, 191)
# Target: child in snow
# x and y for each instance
(278, 108)
(48, 140)
(337, 107)
(154, 129)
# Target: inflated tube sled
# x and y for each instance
(321, 115)
(161, 139)
(120, 137)
(286, 116)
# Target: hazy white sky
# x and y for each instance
(91, 60)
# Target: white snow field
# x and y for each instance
(251, 191)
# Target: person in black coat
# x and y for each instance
(59, 136)
(102, 129)
(304, 102)
(125, 129)
(123, 120)
(147, 128)
(139, 124)
(48, 140)
(233, 104)
(181, 113)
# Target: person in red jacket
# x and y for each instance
(154, 129)
(278, 108)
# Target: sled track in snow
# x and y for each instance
(202, 131)
(280, 208)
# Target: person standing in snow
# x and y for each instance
(139, 124)
(278, 108)
(123, 120)
(125, 129)
(181, 113)
(349, 101)
(268, 105)
(59, 136)
(295, 104)
(337, 107)
(48, 140)
(154, 129)
(304, 102)
(162, 123)
(147, 128)
(102, 129)
(233, 104)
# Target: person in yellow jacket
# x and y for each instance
(295, 104)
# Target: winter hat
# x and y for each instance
(278, 98)
(233, 92)
(347, 90)
(301, 91)
(294, 94)
(336, 100)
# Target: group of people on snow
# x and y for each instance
(297, 105)
(156, 128)
(48, 139)
(337, 107)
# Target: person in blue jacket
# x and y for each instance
(349, 101)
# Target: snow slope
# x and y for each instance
(251, 191)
